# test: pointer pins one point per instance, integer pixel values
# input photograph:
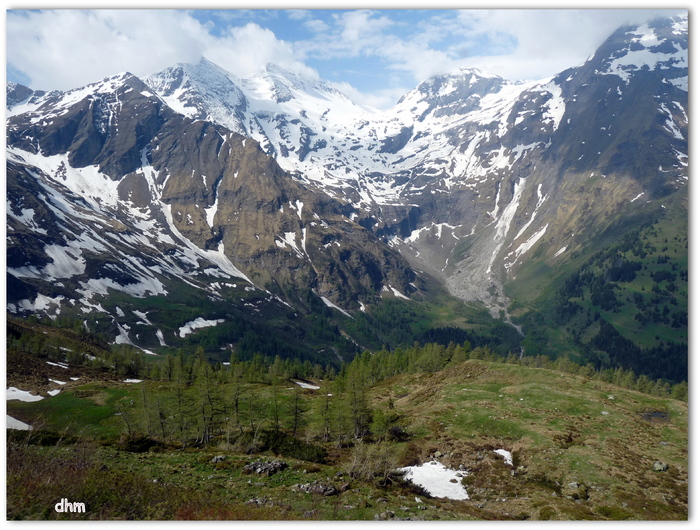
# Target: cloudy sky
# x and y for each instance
(374, 56)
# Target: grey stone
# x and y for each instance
(261, 467)
(384, 516)
(660, 466)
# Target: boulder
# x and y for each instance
(384, 516)
(262, 467)
(319, 488)
(660, 466)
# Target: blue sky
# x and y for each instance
(374, 56)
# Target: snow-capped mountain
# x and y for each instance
(112, 192)
(469, 158)
(275, 184)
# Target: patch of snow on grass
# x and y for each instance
(60, 365)
(506, 455)
(21, 395)
(527, 245)
(57, 381)
(13, 423)
(435, 478)
(133, 380)
(54, 392)
(290, 239)
(307, 385)
(199, 322)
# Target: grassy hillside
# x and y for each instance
(623, 302)
(582, 448)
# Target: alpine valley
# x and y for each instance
(271, 214)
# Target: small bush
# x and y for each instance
(282, 444)
(369, 462)
(138, 443)
(291, 447)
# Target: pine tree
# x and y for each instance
(297, 411)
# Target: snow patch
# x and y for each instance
(60, 365)
(506, 455)
(560, 251)
(503, 223)
(435, 478)
(555, 107)
(290, 239)
(307, 385)
(21, 395)
(197, 323)
(398, 294)
(13, 423)
(527, 245)
(333, 306)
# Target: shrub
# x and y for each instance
(280, 443)
(378, 461)
(137, 443)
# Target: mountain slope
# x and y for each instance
(111, 191)
(469, 159)
(500, 191)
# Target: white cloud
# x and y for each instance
(516, 44)
(298, 14)
(69, 48)
(316, 26)
(65, 49)
(548, 41)
(245, 49)
(377, 99)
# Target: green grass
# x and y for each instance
(75, 415)
(536, 305)
(551, 422)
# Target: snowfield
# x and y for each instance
(436, 479)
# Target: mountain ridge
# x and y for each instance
(467, 178)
